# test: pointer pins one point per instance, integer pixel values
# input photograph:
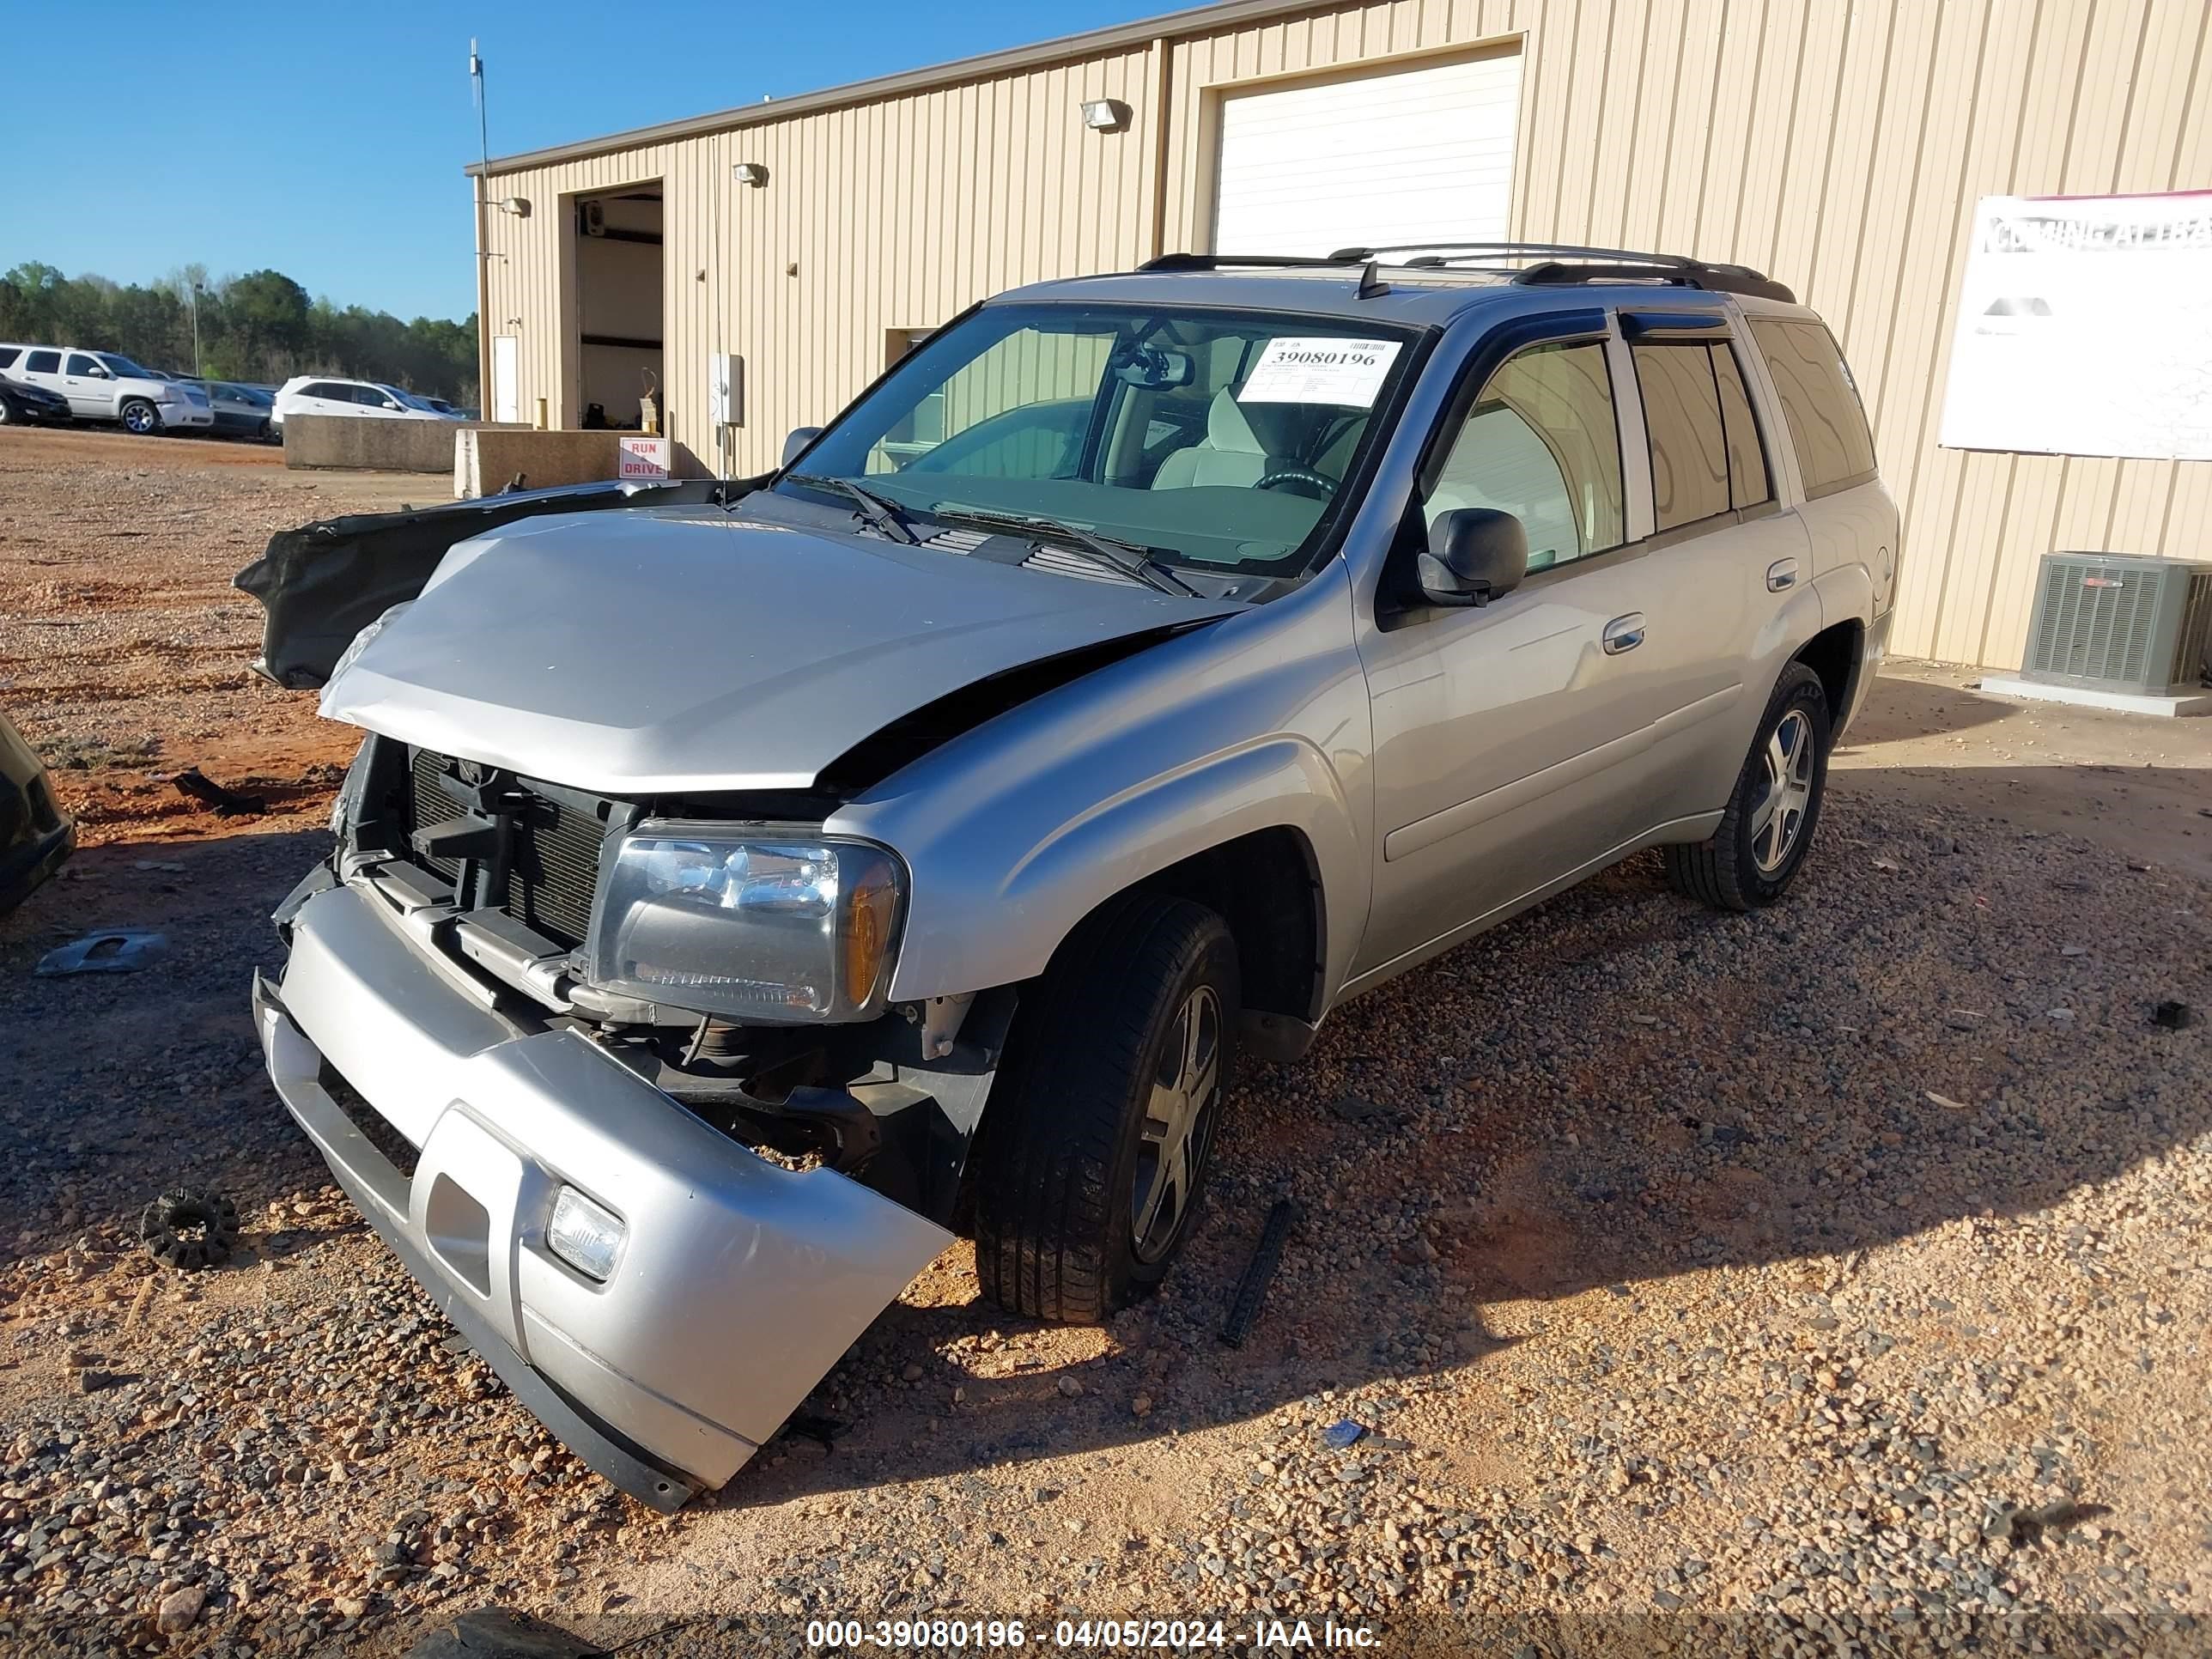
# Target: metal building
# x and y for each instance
(1840, 145)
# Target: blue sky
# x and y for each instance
(327, 140)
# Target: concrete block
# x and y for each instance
(487, 459)
(365, 444)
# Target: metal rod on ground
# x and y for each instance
(1253, 1287)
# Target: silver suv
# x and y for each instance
(730, 902)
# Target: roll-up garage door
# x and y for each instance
(1399, 155)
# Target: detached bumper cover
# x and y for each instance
(738, 1285)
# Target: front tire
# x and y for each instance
(1766, 831)
(141, 418)
(1093, 1150)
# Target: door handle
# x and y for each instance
(1623, 634)
(1780, 575)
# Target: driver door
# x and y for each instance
(1507, 736)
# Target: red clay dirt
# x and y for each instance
(123, 649)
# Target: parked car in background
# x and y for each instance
(240, 410)
(24, 404)
(325, 394)
(35, 834)
(107, 385)
(1278, 629)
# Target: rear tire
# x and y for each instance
(1767, 830)
(140, 417)
(1092, 1152)
(6, 413)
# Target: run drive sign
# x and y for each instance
(642, 457)
(1320, 369)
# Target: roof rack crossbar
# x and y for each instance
(1510, 250)
(1717, 279)
(1370, 284)
(1255, 261)
(1557, 263)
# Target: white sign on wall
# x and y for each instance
(2085, 328)
(642, 457)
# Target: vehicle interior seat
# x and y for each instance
(1231, 453)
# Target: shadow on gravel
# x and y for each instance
(1916, 708)
(1948, 1019)
(126, 1086)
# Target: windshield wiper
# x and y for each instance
(1129, 558)
(878, 510)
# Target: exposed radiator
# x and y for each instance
(556, 875)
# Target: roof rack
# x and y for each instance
(1568, 262)
(1370, 284)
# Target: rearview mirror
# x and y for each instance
(1156, 368)
(1476, 554)
(795, 445)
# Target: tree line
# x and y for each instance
(260, 327)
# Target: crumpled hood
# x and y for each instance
(639, 654)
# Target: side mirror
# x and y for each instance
(795, 445)
(1476, 554)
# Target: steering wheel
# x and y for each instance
(1297, 474)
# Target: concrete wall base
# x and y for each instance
(2082, 696)
(364, 443)
(487, 459)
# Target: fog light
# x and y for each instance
(585, 1235)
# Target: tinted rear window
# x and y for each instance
(7, 355)
(1682, 424)
(1826, 422)
(1748, 484)
(43, 362)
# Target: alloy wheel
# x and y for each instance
(1778, 820)
(1178, 1120)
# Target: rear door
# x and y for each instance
(42, 367)
(1726, 561)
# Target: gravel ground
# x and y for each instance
(1829, 1280)
(124, 647)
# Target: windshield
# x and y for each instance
(118, 364)
(1209, 438)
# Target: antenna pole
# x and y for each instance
(483, 264)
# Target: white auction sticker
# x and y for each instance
(1320, 370)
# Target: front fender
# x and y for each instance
(1016, 832)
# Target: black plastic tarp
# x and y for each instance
(324, 582)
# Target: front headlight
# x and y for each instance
(762, 927)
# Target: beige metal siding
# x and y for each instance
(897, 214)
(1840, 146)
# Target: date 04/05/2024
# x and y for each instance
(1113, 1635)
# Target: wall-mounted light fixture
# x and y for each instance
(1105, 114)
(518, 205)
(750, 173)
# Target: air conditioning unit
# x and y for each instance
(2114, 622)
(595, 218)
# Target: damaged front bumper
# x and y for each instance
(739, 1283)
